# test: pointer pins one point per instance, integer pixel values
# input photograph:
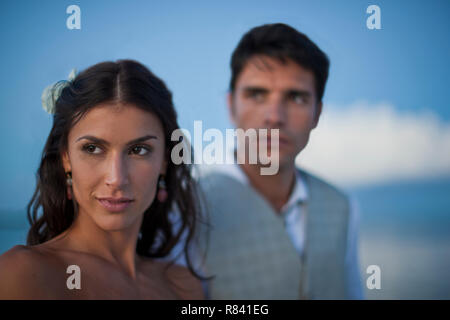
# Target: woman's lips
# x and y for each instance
(115, 206)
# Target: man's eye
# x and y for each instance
(90, 148)
(257, 96)
(139, 150)
(298, 98)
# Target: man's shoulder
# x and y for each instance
(212, 175)
(321, 185)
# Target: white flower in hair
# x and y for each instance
(52, 92)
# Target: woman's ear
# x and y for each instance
(66, 162)
(164, 164)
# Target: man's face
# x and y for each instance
(271, 95)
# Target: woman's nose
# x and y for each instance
(116, 171)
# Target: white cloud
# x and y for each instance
(370, 143)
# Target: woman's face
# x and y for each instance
(116, 154)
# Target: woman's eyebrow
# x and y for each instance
(104, 142)
(142, 139)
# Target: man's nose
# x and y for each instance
(116, 171)
(275, 113)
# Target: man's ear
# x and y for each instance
(66, 161)
(230, 107)
(318, 112)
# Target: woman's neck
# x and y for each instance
(117, 247)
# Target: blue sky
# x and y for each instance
(189, 43)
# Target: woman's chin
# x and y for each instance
(116, 222)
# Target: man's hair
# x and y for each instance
(281, 42)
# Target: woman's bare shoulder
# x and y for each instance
(184, 283)
(19, 258)
(176, 277)
(24, 273)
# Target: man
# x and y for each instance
(289, 235)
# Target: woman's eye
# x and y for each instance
(140, 150)
(90, 148)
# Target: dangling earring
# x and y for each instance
(162, 189)
(69, 184)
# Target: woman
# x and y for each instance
(105, 187)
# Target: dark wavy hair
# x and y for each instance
(124, 81)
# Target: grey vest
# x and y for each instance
(250, 254)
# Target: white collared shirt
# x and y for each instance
(294, 220)
(294, 224)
